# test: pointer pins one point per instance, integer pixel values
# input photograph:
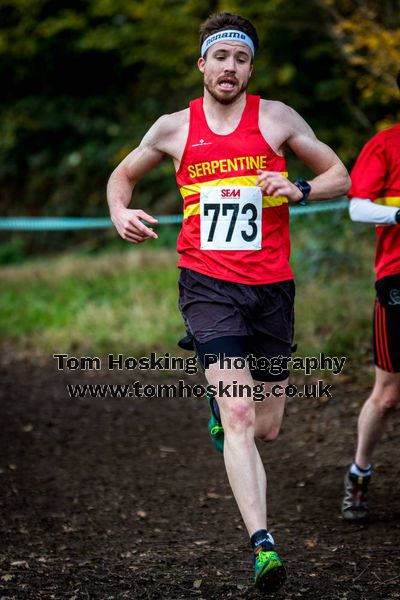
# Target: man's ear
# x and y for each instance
(201, 64)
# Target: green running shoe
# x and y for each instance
(269, 570)
(214, 425)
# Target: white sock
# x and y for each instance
(355, 470)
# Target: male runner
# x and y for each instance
(375, 198)
(236, 285)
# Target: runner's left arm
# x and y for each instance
(332, 178)
(363, 210)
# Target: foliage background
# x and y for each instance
(82, 80)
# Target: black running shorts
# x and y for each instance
(387, 324)
(238, 320)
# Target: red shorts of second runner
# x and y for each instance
(387, 324)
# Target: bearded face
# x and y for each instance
(226, 69)
(226, 89)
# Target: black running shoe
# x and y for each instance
(355, 505)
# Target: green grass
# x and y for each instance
(118, 302)
(127, 301)
(333, 261)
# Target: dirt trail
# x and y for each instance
(120, 499)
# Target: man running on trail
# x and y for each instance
(375, 198)
(236, 286)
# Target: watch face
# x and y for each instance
(305, 189)
(303, 185)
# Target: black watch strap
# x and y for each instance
(304, 187)
(397, 217)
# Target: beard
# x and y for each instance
(224, 98)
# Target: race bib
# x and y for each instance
(230, 218)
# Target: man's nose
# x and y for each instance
(230, 65)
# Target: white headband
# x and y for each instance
(229, 35)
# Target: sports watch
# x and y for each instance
(305, 188)
(397, 217)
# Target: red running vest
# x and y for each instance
(230, 231)
(376, 176)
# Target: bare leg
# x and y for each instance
(371, 422)
(269, 413)
(246, 473)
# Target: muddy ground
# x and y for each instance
(127, 499)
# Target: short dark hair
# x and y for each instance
(221, 21)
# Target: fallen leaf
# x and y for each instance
(20, 563)
(201, 542)
(213, 495)
(197, 583)
(23, 530)
(7, 577)
(27, 428)
(141, 513)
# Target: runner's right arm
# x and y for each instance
(125, 176)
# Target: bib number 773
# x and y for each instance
(230, 218)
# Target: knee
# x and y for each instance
(387, 402)
(239, 416)
(270, 434)
(386, 399)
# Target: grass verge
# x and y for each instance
(127, 301)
